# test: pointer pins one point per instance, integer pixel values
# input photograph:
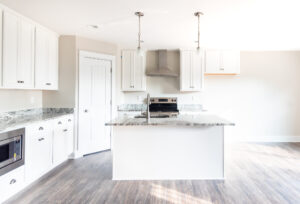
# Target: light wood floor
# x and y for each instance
(256, 173)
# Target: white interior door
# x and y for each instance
(94, 104)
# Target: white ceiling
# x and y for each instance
(244, 24)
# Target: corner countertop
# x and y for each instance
(181, 120)
(20, 119)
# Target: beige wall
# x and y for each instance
(12, 100)
(65, 96)
(69, 47)
(264, 100)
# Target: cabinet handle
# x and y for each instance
(20, 82)
(192, 87)
(59, 123)
(222, 69)
(65, 130)
(48, 84)
(41, 128)
(41, 139)
(132, 86)
(86, 110)
(13, 181)
(69, 120)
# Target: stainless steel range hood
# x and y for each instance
(163, 69)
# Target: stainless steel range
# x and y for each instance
(11, 150)
(163, 107)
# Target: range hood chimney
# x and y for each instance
(163, 69)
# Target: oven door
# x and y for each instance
(10, 151)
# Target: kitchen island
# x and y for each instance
(185, 147)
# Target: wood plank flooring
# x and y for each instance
(255, 173)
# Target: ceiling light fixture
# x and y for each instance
(139, 50)
(93, 26)
(198, 14)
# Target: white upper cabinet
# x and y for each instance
(191, 70)
(46, 60)
(133, 71)
(18, 52)
(29, 53)
(222, 62)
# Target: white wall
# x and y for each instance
(13, 100)
(264, 101)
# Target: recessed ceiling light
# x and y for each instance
(93, 26)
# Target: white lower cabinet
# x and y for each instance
(38, 155)
(47, 144)
(11, 183)
(60, 142)
(70, 135)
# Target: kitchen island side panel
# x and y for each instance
(168, 152)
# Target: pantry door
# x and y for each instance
(95, 92)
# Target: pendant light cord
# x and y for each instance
(139, 35)
(198, 32)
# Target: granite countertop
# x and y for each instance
(19, 119)
(181, 120)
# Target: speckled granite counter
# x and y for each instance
(181, 120)
(19, 119)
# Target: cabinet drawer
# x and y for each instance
(11, 183)
(38, 127)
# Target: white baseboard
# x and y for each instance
(76, 155)
(263, 138)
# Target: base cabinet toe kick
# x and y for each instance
(168, 152)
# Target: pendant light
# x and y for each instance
(198, 14)
(139, 50)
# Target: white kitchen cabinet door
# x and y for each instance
(70, 135)
(10, 50)
(26, 54)
(191, 71)
(133, 71)
(222, 62)
(59, 149)
(46, 60)
(11, 183)
(38, 150)
(18, 52)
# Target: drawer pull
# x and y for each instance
(41, 128)
(65, 130)
(48, 84)
(69, 120)
(20, 82)
(13, 181)
(222, 69)
(59, 122)
(41, 139)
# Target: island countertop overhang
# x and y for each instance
(181, 120)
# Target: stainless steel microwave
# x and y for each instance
(12, 152)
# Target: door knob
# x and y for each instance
(86, 110)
